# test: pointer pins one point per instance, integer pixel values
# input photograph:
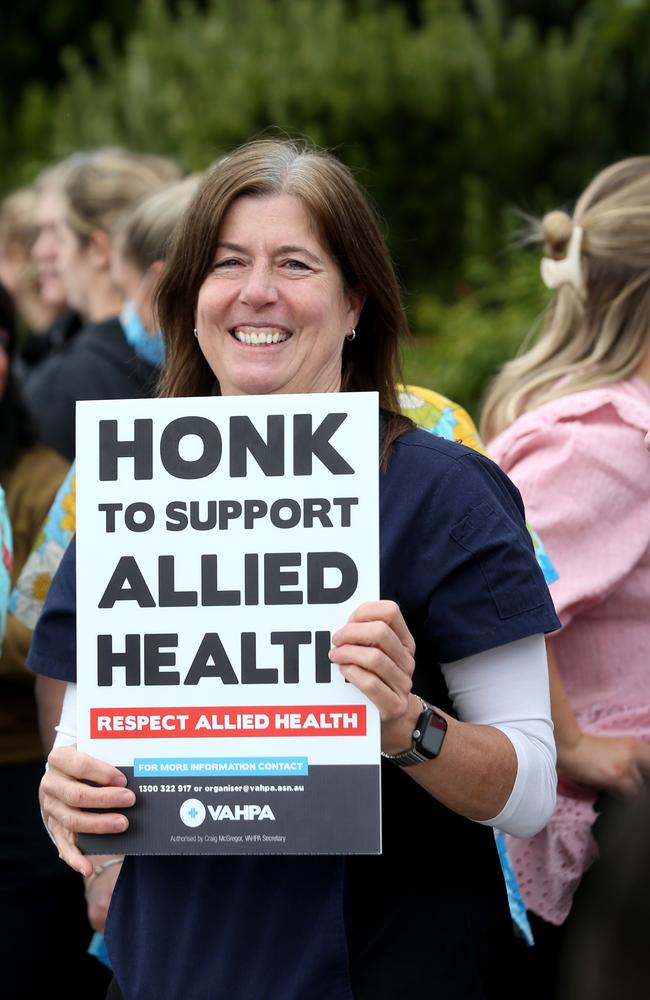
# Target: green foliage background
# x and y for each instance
(451, 113)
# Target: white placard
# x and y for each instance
(220, 542)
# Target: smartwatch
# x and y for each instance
(428, 737)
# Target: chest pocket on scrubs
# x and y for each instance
(505, 555)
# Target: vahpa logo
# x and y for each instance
(247, 812)
(193, 812)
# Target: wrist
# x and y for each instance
(397, 735)
(426, 739)
(100, 868)
(568, 746)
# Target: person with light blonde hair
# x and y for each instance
(88, 193)
(598, 264)
(566, 421)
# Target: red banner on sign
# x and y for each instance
(235, 720)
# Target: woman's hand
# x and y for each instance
(612, 763)
(375, 651)
(99, 888)
(65, 795)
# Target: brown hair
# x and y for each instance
(598, 333)
(347, 224)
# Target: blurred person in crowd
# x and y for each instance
(45, 253)
(45, 321)
(42, 913)
(566, 420)
(279, 281)
(139, 247)
(87, 196)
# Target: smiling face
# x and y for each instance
(273, 312)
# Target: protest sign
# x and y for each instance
(220, 542)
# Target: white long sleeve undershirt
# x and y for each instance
(507, 687)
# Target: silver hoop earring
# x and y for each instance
(351, 335)
(196, 333)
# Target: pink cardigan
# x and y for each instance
(584, 474)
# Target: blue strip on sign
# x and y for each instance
(227, 767)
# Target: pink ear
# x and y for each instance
(99, 246)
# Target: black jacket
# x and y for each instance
(97, 364)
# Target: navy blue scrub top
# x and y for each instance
(429, 916)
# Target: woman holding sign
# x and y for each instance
(279, 282)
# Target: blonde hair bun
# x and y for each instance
(556, 232)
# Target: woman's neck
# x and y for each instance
(104, 301)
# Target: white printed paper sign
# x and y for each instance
(220, 542)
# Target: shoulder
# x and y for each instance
(102, 340)
(608, 422)
(41, 460)
(444, 487)
(98, 332)
(93, 339)
(98, 364)
(64, 372)
(420, 455)
(35, 477)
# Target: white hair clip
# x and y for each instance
(567, 270)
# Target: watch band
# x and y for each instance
(407, 758)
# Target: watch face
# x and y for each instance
(432, 736)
